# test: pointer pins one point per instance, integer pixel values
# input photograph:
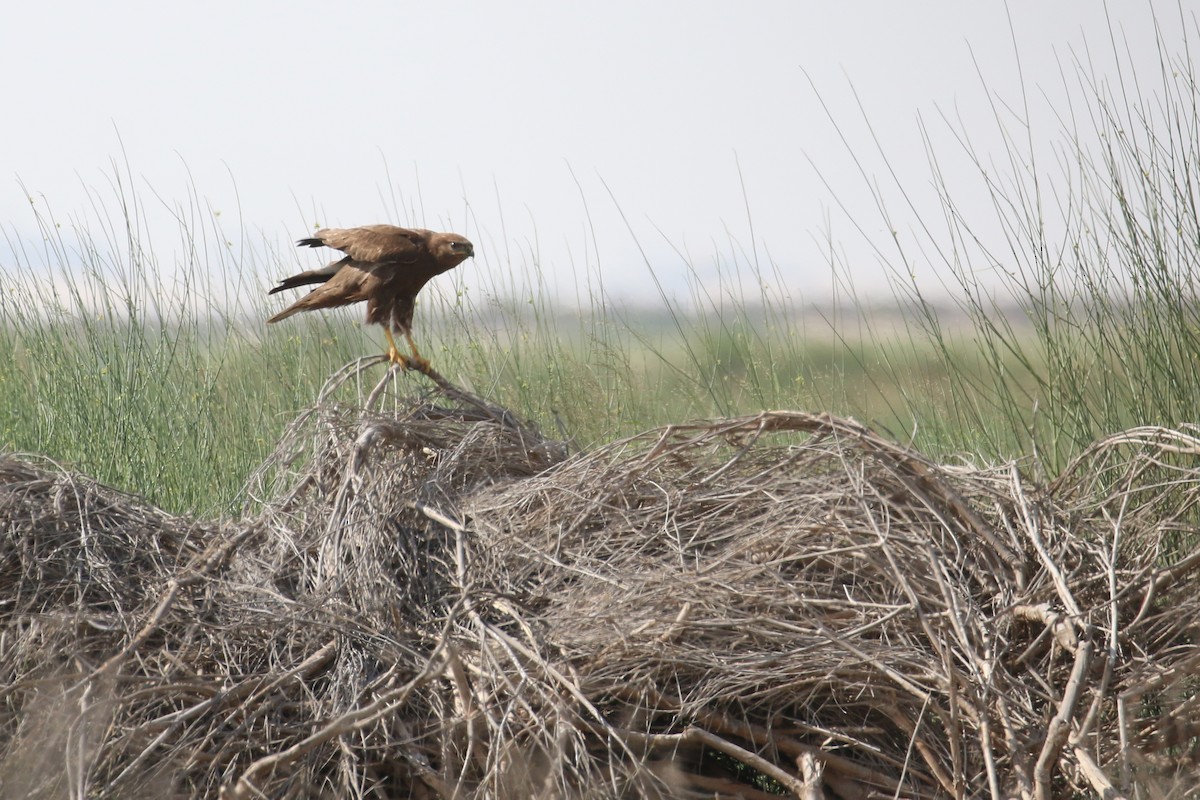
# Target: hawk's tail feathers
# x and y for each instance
(287, 312)
(309, 243)
(309, 277)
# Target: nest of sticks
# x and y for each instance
(431, 599)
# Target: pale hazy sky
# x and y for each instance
(483, 116)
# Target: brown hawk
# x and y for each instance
(384, 265)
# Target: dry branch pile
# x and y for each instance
(435, 601)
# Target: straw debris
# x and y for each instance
(428, 598)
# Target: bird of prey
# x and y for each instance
(384, 265)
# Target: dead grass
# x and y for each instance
(431, 599)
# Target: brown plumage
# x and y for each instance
(384, 265)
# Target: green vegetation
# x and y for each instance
(182, 408)
(162, 379)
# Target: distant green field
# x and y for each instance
(118, 374)
(182, 413)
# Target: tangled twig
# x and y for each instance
(429, 598)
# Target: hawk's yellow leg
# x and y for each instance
(395, 356)
(423, 363)
(393, 353)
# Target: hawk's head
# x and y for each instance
(450, 249)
